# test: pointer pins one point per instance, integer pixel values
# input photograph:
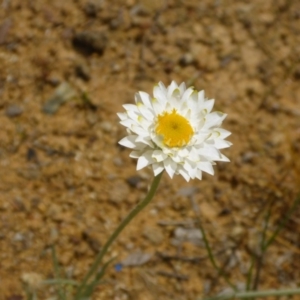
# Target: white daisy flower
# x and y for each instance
(175, 131)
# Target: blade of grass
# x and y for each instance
(207, 245)
(212, 258)
(250, 272)
(260, 259)
(282, 223)
(90, 288)
(29, 295)
(264, 245)
(254, 294)
(61, 281)
(60, 291)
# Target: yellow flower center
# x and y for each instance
(175, 129)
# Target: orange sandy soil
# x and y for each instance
(66, 182)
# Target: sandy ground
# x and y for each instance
(67, 67)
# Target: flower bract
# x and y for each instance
(175, 130)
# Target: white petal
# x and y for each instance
(145, 140)
(187, 93)
(210, 152)
(223, 133)
(158, 106)
(201, 97)
(182, 88)
(190, 169)
(199, 174)
(140, 131)
(214, 119)
(128, 141)
(135, 154)
(223, 158)
(208, 105)
(130, 107)
(201, 137)
(206, 167)
(170, 167)
(171, 88)
(162, 87)
(145, 98)
(159, 156)
(122, 116)
(160, 93)
(133, 115)
(128, 123)
(221, 144)
(157, 168)
(145, 160)
(194, 155)
(184, 152)
(184, 174)
(144, 123)
(146, 112)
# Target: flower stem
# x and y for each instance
(116, 233)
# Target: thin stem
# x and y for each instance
(57, 274)
(254, 294)
(116, 233)
(260, 259)
(212, 258)
(266, 243)
(282, 224)
(207, 246)
(249, 273)
(60, 281)
(90, 288)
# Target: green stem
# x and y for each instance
(116, 233)
(260, 258)
(61, 293)
(249, 273)
(282, 224)
(207, 246)
(267, 293)
(60, 281)
(211, 256)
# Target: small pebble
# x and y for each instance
(62, 94)
(134, 181)
(154, 235)
(118, 162)
(115, 68)
(19, 237)
(136, 258)
(106, 126)
(248, 157)
(13, 111)
(192, 235)
(119, 193)
(186, 59)
(89, 42)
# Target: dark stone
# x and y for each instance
(88, 42)
(31, 154)
(133, 181)
(91, 9)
